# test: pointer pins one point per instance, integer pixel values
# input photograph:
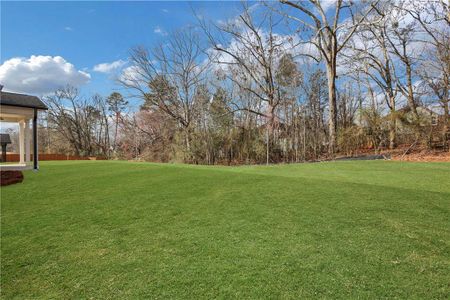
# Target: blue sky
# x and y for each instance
(86, 34)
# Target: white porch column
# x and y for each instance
(27, 141)
(22, 141)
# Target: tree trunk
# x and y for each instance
(392, 132)
(445, 128)
(188, 144)
(446, 117)
(115, 132)
(392, 124)
(411, 102)
(445, 103)
(267, 145)
(331, 74)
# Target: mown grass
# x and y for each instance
(138, 230)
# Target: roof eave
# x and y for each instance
(25, 106)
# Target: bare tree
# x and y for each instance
(116, 104)
(167, 76)
(248, 52)
(369, 54)
(433, 17)
(329, 36)
(82, 122)
(401, 36)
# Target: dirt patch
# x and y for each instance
(10, 177)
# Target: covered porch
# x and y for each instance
(22, 110)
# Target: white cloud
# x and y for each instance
(109, 67)
(164, 10)
(131, 75)
(68, 28)
(160, 31)
(40, 74)
(327, 4)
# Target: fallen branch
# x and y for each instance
(409, 148)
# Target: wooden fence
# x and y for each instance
(14, 157)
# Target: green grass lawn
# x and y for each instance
(96, 229)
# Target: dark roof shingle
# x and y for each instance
(13, 99)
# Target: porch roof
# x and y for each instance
(21, 100)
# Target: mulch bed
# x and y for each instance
(10, 177)
(424, 156)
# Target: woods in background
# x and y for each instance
(281, 82)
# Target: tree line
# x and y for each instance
(282, 82)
